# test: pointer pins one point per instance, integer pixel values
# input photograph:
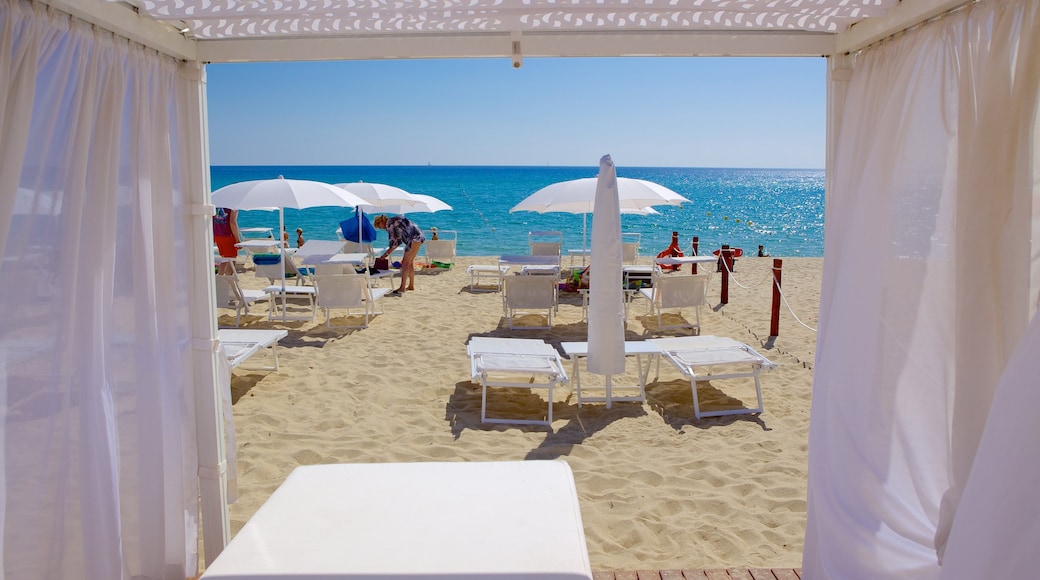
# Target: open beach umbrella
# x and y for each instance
(283, 193)
(424, 204)
(606, 331)
(579, 196)
(379, 195)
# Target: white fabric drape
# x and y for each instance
(98, 432)
(927, 289)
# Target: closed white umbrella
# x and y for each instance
(606, 302)
(283, 193)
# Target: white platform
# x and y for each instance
(414, 520)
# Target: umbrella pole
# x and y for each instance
(283, 254)
(584, 237)
(609, 381)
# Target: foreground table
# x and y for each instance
(414, 520)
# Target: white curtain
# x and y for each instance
(97, 430)
(929, 284)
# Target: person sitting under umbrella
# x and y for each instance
(402, 231)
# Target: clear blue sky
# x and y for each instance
(650, 112)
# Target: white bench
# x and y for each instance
(240, 344)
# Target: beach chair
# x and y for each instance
(499, 362)
(230, 294)
(269, 266)
(676, 293)
(630, 247)
(547, 243)
(243, 344)
(348, 292)
(524, 295)
(440, 253)
(703, 358)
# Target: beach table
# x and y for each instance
(460, 519)
(682, 260)
(256, 233)
(478, 271)
(635, 348)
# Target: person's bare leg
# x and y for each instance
(408, 266)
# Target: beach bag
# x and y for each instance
(349, 228)
(381, 264)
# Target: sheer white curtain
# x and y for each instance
(927, 290)
(97, 425)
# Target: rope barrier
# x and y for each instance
(735, 281)
(476, 209)
(783, 298)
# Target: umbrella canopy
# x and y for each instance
(349, 228)
(283, 193)
(379, 194)
(424, 204)
(579, 196)
(606, 308)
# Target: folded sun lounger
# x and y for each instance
(240, 344)
(494, 360)
(714, 358)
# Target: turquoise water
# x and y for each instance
(781, 209)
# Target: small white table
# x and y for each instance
(466, 520)
(352, 259)
(636, 348)
(250, 233)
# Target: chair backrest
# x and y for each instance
(629, 252)
(548, 243)
(530, 291)
(333, 269)
(341, 291)
(681, 291)
(228, 290)
(440, 250)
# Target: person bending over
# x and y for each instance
(402, 232)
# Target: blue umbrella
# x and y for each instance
(350, 228)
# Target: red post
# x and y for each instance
(693, 267)
(774, 319)
(696, 243)
(724, 256)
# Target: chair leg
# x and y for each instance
(696, 401)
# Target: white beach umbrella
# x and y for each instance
(606, 331)
(579, 196)
(425, 204)
(283, 193)
(380, 195)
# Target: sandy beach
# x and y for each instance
(658, 488)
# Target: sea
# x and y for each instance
(779, 209)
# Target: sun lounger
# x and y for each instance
(492, 360)
(459, 519)
(701, 358)
(478, 271)
(240, 344)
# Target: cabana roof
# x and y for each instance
(295, 30)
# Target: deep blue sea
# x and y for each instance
(781, 209)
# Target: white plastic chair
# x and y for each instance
(529, 295)
(347, 292)
(676, 293)
(230, 294)
(441, 250)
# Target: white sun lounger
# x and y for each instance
(695, 357)
(492, 359)
(240, 344)
(459, 519)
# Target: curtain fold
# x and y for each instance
(928, 253)
(99, 469)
